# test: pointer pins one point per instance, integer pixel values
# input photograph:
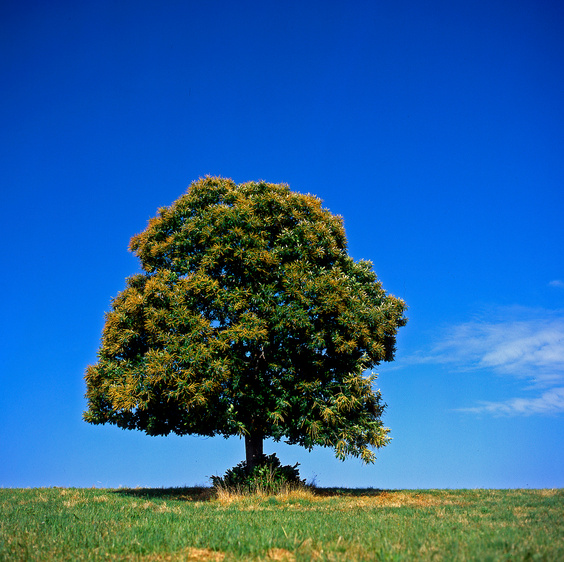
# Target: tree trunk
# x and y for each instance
(253, 449)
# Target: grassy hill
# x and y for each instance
(321, 524)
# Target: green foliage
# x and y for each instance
(249, 318)
(268, 476)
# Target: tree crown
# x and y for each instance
(249, 318)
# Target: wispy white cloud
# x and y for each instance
(531, 348)
(520, 342)
(557, 283)
(550, 402)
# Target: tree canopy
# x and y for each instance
(250, 319)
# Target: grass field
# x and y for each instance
(326, 524)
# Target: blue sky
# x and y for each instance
(436, 129)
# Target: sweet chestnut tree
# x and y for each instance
(250, 319)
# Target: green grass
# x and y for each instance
(327, 524)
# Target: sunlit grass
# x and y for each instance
(307, 524)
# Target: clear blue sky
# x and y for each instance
(436, 129)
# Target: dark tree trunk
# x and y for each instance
(253, 449)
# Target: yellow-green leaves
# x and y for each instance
(249, 317)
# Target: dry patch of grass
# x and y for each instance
(227, 497)
(548, 493)
(310, 499)
(100, 499)
(280, 554)
(184, 555)
(395, 499)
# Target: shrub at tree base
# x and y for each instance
(267, 477)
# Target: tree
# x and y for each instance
(249, 319)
